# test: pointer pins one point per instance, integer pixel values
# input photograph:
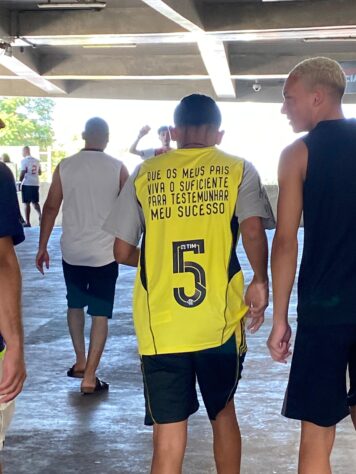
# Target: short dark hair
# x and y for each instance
(163, 128)
(96, 125)
(196, 110)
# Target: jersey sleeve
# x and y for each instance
(125, 220)
(252, 200)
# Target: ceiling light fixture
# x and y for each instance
(73, 5)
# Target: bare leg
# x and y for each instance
(169, 443)
(27, 213)
(353, 415)
(316, 443)
(76, 321)
(38, 210)
(227, 441)
(98, 335)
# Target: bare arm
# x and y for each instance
(133, 148)
(124, 174)
(14, 372)
(126, 253)
(39, 170)
(291, 175)
(22, 175)
(50, 211)
(255, 244)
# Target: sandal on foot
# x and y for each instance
(100, 386)
(77, 374)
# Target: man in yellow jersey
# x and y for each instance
(189, 205)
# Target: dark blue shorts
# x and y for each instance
(30, 194)
(91, 286)
(317, 390)
(170, 382)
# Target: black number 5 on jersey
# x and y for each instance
(181, 266)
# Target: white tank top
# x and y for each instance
(91, 183)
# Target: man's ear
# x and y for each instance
(173, 133)
(83, 136)
(319, 95)
(219, 136)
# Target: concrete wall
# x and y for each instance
(272, 191)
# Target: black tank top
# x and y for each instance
(327, 277)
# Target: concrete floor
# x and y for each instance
(58, 431)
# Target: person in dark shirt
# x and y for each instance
(12, 365)
(316, 177)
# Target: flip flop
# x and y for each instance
(100, 386)
(77, 374)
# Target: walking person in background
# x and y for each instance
(88, 183)
(317, 177)
(30, 184)
(189, 307)
(164, 137)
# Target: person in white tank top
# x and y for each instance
(88, 184)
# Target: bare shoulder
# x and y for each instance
(294, 158)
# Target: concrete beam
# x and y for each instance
(223, 16)
(123, 65)
(188, 9)
(142, 20)
(4, 24)
(269, 64)
(24, 65)
(183, 12)
(212, 50)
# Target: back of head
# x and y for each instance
(96, 132)
(5, 158)
(196, 110)
(321, 71)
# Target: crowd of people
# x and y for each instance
(177, 218)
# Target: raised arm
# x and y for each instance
(133, 148)
(291, 175)
(50, 211)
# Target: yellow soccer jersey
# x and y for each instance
(189, 287)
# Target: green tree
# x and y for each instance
(28, 121)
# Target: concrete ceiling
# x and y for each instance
(153, 49)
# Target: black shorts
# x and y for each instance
(91, 286)
(170, 382)
(30, 194)
(317, 387)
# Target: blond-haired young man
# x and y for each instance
(316, 177)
